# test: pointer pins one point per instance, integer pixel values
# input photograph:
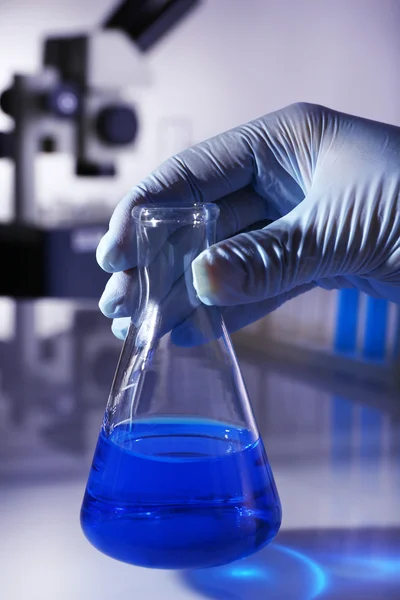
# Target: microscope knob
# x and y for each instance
(117, 125)
(7, 102)
(63, 101)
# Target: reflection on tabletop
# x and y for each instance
(308, 564)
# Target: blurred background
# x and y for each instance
(95, 95)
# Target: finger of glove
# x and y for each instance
(259, 153)
(265, 263)
(120, 327)
(121, 290)
(122, 293)
(241, 211)
(167, 314)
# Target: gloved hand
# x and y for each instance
(327, 183)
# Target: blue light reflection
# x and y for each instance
(279, 570)
(320, 577)
(310, 565)
(248, 572)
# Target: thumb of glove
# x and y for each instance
(262, 264)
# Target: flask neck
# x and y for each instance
(168, 241)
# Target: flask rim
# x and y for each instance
(190, 214)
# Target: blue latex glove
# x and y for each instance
(327, 183)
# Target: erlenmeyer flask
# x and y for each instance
(180, 477)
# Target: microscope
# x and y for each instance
(73, 105)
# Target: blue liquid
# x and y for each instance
(177, 494)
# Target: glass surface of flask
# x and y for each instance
(180, 477)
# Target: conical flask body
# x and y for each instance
(180, 476)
